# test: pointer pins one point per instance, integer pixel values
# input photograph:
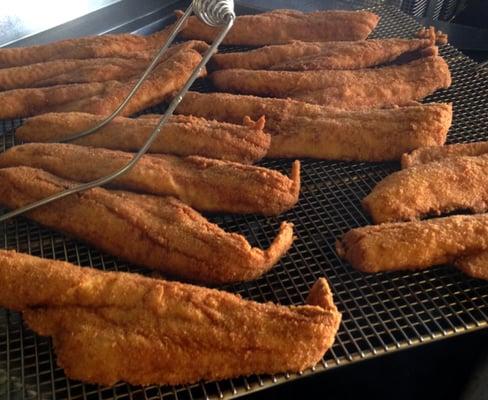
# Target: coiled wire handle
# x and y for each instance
(214, 13)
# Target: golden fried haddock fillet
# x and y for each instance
(103, 97)
(357, 89)
(414, 245)
(160, 233)
(203, 183)
(300, 129)
(113, 326)
(283, 26)
(303, 56)
(65, 71)
(438, 187)
(119, 45)
(181, 135)
(428, 154)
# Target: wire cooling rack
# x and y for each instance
(381, 313)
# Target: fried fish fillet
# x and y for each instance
(302, 56)
(59, 72)
(455, 183)
(359, 89)
(113, 326)
(160, 233)
(426, 155)
(103, 97)
(283, 26)
(414, 245)
(181, 135)
(202, 183)
(475, 266)
(305, 130)
(119, 45)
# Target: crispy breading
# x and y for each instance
(113, 326)
(103, 97)
(60, 72)
(181, 135)
(283, 26)
(475, 266)
(428, 154)
(305, 130)
(161, 233)
(203, 183)
(302, 56)
(414, 245)
(119, 45)
(435, 188)
(358, 89)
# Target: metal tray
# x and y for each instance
(382, 313)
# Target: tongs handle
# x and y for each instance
(227, 20)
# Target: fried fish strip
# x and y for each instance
(283, 26)
(475, 266)
(181, 135)
(305, 130)
(59, 72)
(102, 97)
(114, 326)
(302, 56)
(426, 155)
(161, 233)
(434, 188)
(359, 89)
(414, 245)
(120, 45)
(202, 183)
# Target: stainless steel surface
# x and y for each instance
(382, 313)
(213, 12)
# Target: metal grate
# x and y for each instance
(381, 313)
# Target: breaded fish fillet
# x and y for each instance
(283, 26)
(359, 89)
(160, 233)
(414, 245)
(202, 183)
(455, 183)
(119, 45)
(425, 155)
(103, 97)
(305, 130)
(302, 56)
(475, 266)
(181, 135)
(113, 326)
(60, 72)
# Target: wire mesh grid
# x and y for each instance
(381, 313)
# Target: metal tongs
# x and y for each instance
(216, 13)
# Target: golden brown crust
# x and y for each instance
(120, 45)
(305, 130)
(433, 188)
(360, 89)
(413, 245)
(429, 154)
(203, 183)
(303, 56)
(283, 26)
(181, 135)
(475, 266)
(61, 72)
(102, 97)
(65, 71)
(112, 326)
(161, 233)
